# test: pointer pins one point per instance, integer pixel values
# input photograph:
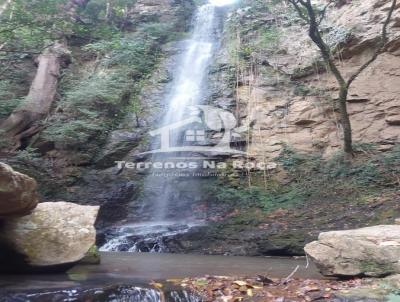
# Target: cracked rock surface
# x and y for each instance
(372, 251)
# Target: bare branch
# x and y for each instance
(18, 51)
(323, 13)
(299, 11)
(380, 48)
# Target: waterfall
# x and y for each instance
(187, 89)
(160, 193)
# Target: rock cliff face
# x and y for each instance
(269, 73)
(287, 97)
(163, 11)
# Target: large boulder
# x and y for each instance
(18, 195)
(56, 234)
(372, 251)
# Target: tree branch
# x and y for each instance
(316, 36)
(19, 51)
(323, 13)
(299, 11)
(380, 48)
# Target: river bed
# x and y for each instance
(129, 277)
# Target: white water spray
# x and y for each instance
(187, 89)
(190, 75)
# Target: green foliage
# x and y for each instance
(269, 37)
(95, 103)
(92, 100)
(248, 36)
(302, 90)
(257, 6)
(156, 31)
(104, 88)
(8, 98)
(96, 11)
(28, 155)
(75, 132)
(139, 51)
(4, 142)
(295, 162)
(132, 53)
(100, 100)
(335, 36)
(31, 25)
(267, 199)
(377, 169)
(312, 177)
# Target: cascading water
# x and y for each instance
(187, 90)
(160, 193)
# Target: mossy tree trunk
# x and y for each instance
(24, 121)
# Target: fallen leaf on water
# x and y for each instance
(307, 289)
(264, 280)
(176, 281)
(227, 298)
(156, 284)
(201, 282)
(240, 283)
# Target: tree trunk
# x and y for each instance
(4, 6)
(72, 7)
(315, 35)
(109, 11)
(22, 123)
(345, 121)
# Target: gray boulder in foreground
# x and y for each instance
(54, 234)
(371, 251)
(18, 195)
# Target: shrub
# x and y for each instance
(257, 197)
(75, 132)
(28, 155)
(312, 177)
(107, 87)
(269, 37)
(8, 99)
